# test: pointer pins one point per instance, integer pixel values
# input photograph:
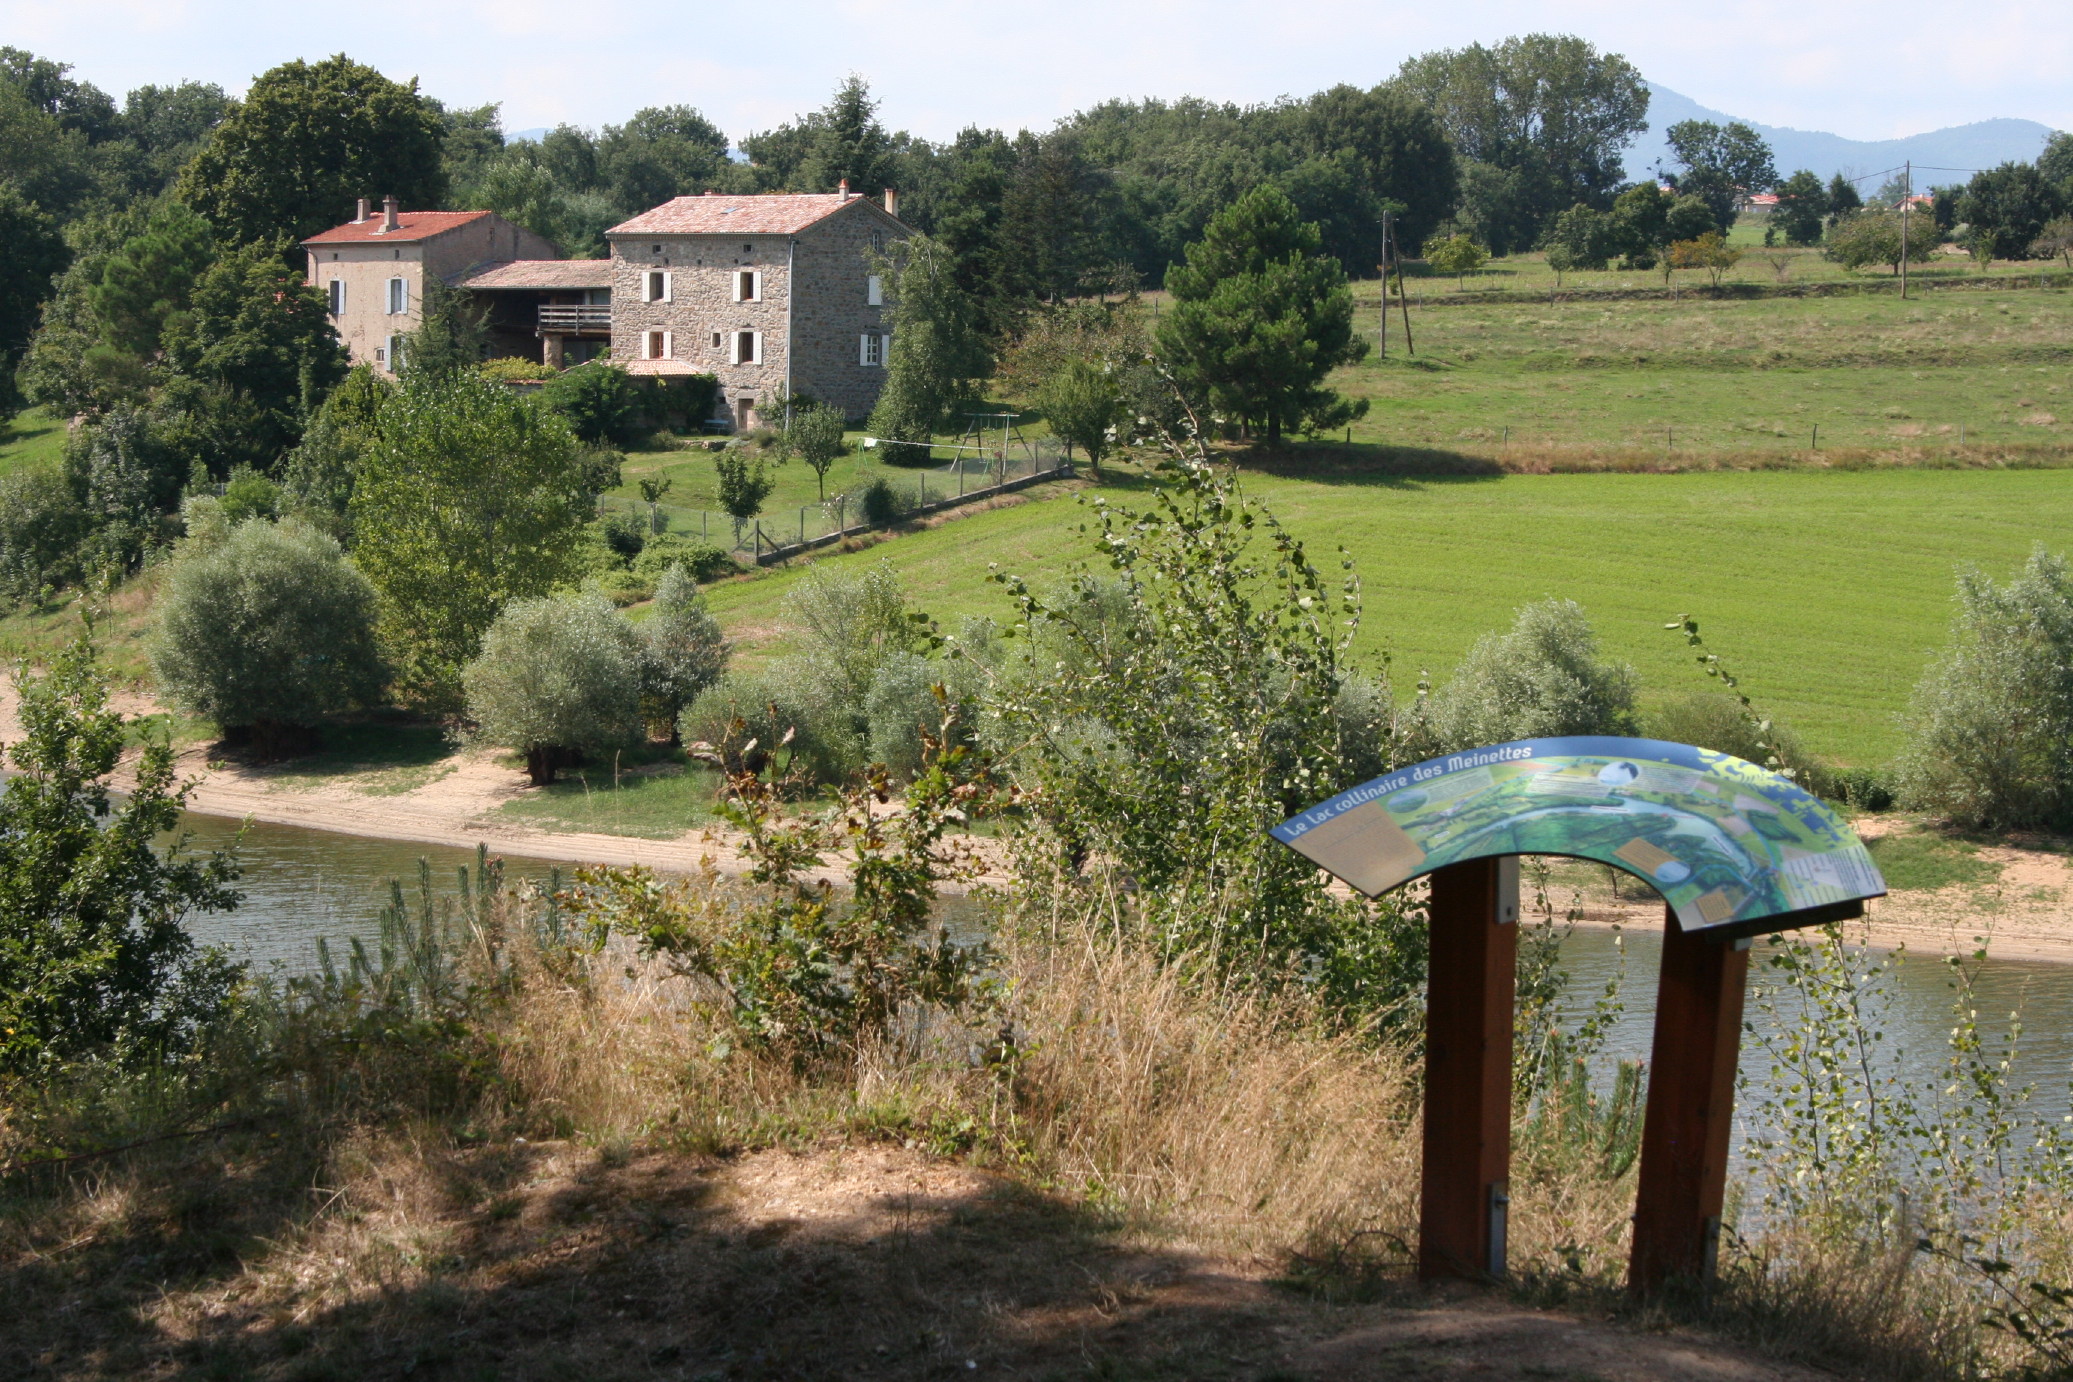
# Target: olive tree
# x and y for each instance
(267, 632)
(557, 677)
(1543, 678)
(1991, 722)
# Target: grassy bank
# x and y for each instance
(31, 438)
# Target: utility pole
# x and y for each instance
(1384, 354)
(1907, 204)
(1403, 296)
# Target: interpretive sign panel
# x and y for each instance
(1726, 843)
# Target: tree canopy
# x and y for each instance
(1720, 164)
(1547, 114)
(1260, 317)
(308, 139)
(468, 497)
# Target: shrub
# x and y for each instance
(556, 677)
(41, 527)
(685, 651)
(1710, 720)
(1991, 722)
(782, 711)
(508, 369)
(704, 561)
(1542, 679)
(250, 495)
(1166, 719)
(881, 504)
(623, 536)
(849, 628)
(94, 959)
(600, 401)
(266, 633)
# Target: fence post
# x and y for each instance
(802, 525)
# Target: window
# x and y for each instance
(655, 286)
(871, 349)
(337, 294)
(657, 345)
(716, 340)
(746, 348)
(748, 285)
(395, 353)
(874, 291)
(399, 296)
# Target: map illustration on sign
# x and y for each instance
(1724, 841)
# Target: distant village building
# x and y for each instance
(373, 269)
(772, 294)
(766, 292)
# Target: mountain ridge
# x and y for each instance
(1950, 154)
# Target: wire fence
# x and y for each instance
(893, 494)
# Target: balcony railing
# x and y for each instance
(572, 318)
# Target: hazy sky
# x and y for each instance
(1868, 71)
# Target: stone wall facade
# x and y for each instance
(366, 327)
(812, 312)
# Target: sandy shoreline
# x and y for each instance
(2025, 914)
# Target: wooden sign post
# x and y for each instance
(1734, 850)
(1466, 1174)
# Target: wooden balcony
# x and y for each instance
(585, 320)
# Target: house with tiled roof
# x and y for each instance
(373, 269)
(768, 293)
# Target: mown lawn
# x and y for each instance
(1827, 591)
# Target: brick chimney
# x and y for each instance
(892, 202)
(360, 214)
(388, 215)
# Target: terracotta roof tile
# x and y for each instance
(540, 273)
(770, 214)
(411, 225)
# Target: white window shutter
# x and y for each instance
(874, 291)
(864, 349)
(734, 347)
(669, 345)
(668, 286)
(756, 343)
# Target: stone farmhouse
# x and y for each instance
(373, 269)
(770, 293)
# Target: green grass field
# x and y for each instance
(1826, 590)
(1744, 378)
(31, 438)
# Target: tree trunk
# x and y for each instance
(540, 762)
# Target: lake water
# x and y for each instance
(301, 884)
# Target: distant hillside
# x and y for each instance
(1980, 145)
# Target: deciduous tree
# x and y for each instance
(94, 957)
(467, 498)
(308, 139)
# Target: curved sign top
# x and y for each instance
(1728, 844)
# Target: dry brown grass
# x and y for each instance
(573, 1178)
